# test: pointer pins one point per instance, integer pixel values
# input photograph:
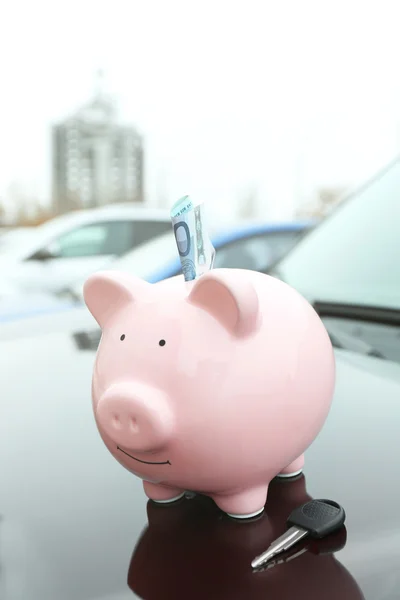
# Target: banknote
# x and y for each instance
(195, 249)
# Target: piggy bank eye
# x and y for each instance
(122, 337)
(162, 342)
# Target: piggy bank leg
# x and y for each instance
(295, 468)
(244, 504)
(162, 493)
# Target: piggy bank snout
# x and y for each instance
(136, 417)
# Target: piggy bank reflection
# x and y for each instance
(191, 550)
(214, 386)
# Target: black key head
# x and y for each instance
(318, 517)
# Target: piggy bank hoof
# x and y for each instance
(294, 469)
(249, 516)
(162, 494)
(243, 505)
(169, 500)
(288, 475)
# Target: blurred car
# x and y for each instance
(348, 267)
(15, 301)
(246, 245)
(62, 250)
(7, 290)
(75, 524)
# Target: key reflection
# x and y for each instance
(192, 550)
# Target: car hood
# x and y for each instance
(18, 305)
(75, 524)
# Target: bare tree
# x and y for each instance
(2, 214)
(325, 200)
(21, 216)
(329, 198)
(26, 207)
(43, 214)
(248, 203)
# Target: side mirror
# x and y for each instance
(43, 254)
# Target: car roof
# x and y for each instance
(134, 210)
(223, 235)
(105, 213)
(47, 231)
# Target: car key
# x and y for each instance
(317, 518)
(328, 545)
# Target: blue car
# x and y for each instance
(246, 246)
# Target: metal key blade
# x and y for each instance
(284, 542)
(281, 561)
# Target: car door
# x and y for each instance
(72, 256)
(255, 252)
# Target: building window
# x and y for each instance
(72, 134)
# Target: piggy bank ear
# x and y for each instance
(106, 292)
(231, 300)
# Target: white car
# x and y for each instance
(247, 245)
(68, 248)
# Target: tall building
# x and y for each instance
(96, 160)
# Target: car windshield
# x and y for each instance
(147, 257)
(352, 257)
(142, 261)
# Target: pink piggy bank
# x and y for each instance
(213, 386)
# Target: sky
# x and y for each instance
(230, 96)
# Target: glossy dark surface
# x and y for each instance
(75, 523)
(195, 548)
